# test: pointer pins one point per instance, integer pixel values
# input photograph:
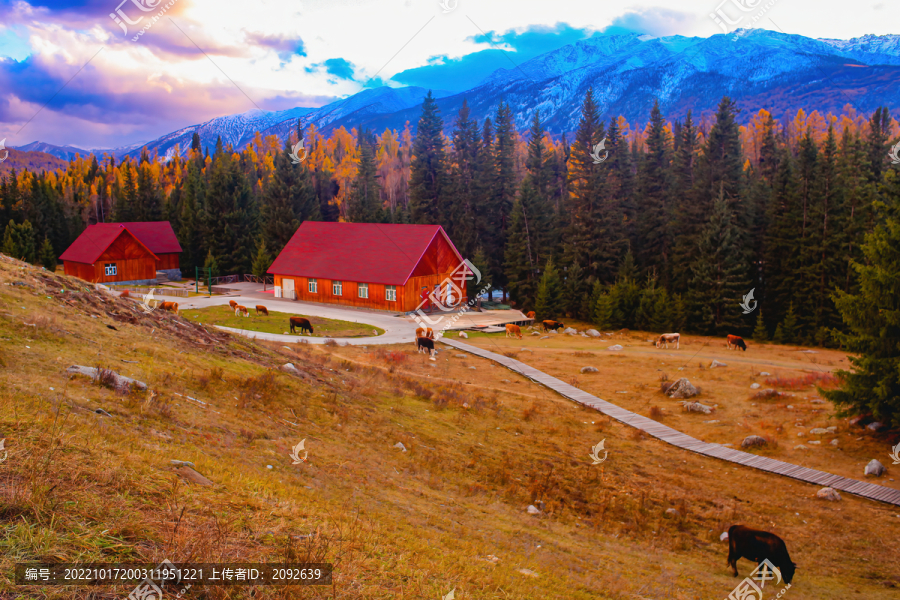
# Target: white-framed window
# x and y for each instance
(390, 293)
(337, 287)
(363, 289)
(110, 269)
(313, 286)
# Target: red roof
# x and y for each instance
(156, 237)
(363, 252)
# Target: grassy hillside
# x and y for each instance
(33, 161)
(278, 322)
(449, 513)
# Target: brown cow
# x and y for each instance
(424, 344)
(665, 338)
(549, 324)
(170, 306)
(758, 546)
(530, 314)
(302, 323)
(513, 330)
(261, 309)
(733, 342)
(232, 304)
(241, 311)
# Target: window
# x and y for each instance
(313, 286)
(110, 269)
(363, 290)
(390, 293)
(337, 287)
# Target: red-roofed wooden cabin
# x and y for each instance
(123, 252)
(369, 265)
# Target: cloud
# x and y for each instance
(654, 21)
(338, 67)
(284, 46)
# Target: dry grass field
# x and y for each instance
(450, 511)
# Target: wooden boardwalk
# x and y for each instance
(677, 438)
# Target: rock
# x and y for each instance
(800, 434)
(828, 494)
(815, 442)
(400, 446)
(874, 426)
(818, 431)
(615, 348)
(790, 407)
(835, 442)
(528, 572)
(672, 512)
(681, 389)
(270, 467)
(753, 440)
(473, 368)
(764, 374)
(593, 333)
(716, 363)
(120, 382)
(875, 468)
(545, 337)
(817, 401)
(554, 332)
(183, 463)
(533, 510)
(192, 476)
(570, 331)
(535, 333)
(589, 369)
(290, 368)
(754, 386)
(696, 407)
(800, 447)
(526, 350)
(831, 429)
(724, 536)
(461, 355)
(583, 334)
(463, 334)
(859, 420)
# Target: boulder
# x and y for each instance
(570, 331)
(696, 407)
(589, 369)
(535, 333)
(754, 386)
(875, 426)
(290, 368)
(817, 401)
(682, 389)
(554, 332)
(533, 510)
(753, 440)
(815, 442)
(828, 494)
(593, 333)
(800, 447)
(615, 348)
(875, 468)
(716, 363)
(831, 429)
(119, 382)
(672, 512)
(764, 374)
(528, 572)
(544, 337)
(835, 442)
(818, 431)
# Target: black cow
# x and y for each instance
(757, 546)
(301, 322)
(424, 344)
(548, 325)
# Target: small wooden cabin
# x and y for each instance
(367, 265)
(123, 253)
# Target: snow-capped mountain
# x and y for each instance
(757, 68)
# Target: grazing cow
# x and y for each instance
(733, 342)
(302, 323)
(548, 325)
(261, 309)
(758, 546)
(424, 344)
(530, 314)
(170, 306)
(665, 338)
(513, 331)
(423, 332)
(232, 304)
(241, 311)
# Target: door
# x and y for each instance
(288, 288)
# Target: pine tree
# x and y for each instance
(653, 231)
(519, 266)
(211, 264)
(428, 171)
(18, 242)
(464, 191)
(475, 285)
(47, 256)
(760, 333)
(549, 295)
(500, 195)
(262, 260)
(365, 197)
(872, 319)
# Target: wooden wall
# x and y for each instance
(133, 263)
(167, 261)
(349, 296)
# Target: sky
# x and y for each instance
(71, 73)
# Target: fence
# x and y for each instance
(268, 279)
(157, 291)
